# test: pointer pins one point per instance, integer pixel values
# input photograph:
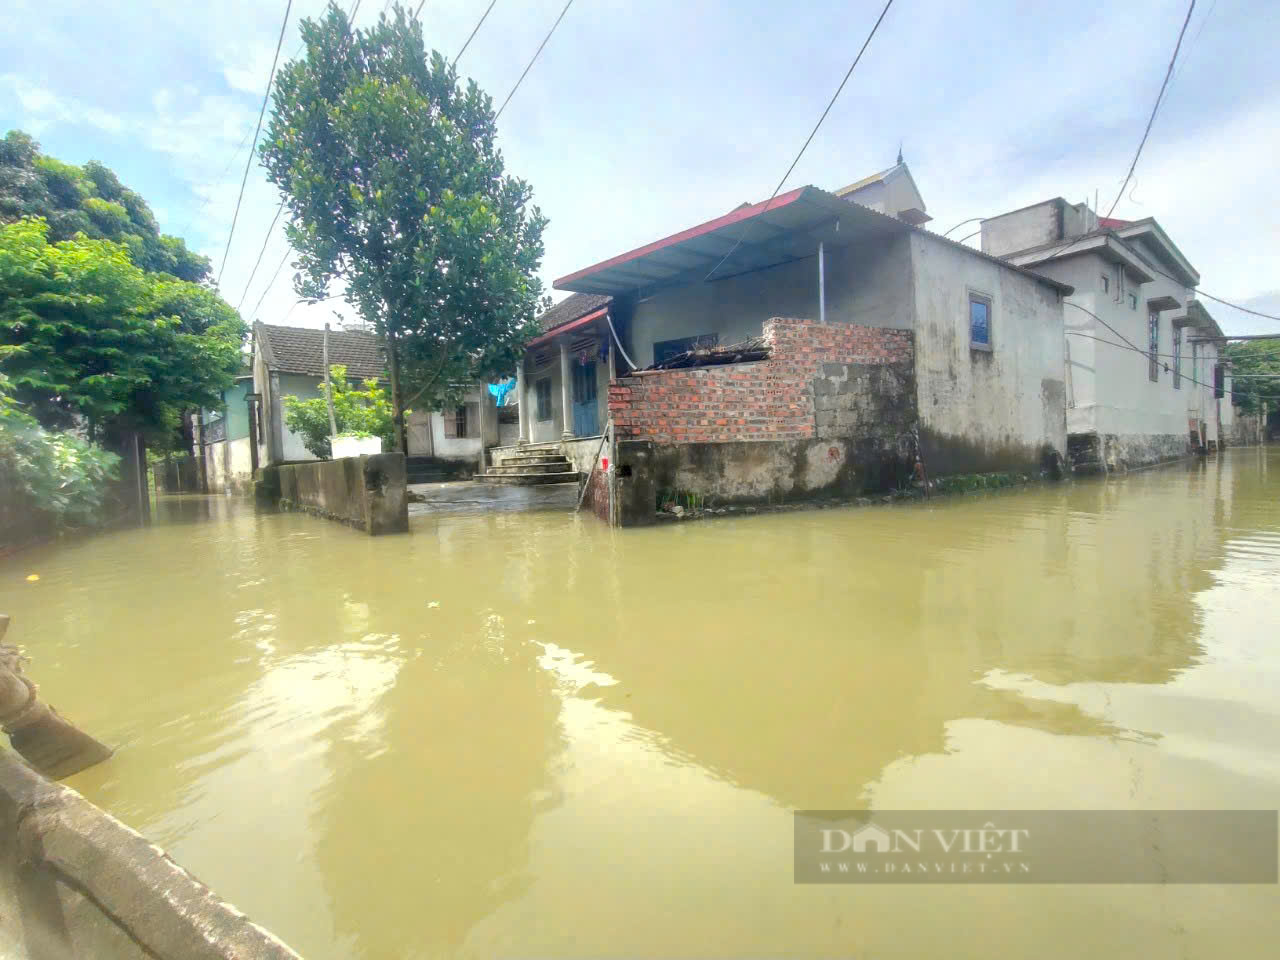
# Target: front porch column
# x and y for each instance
(566, 407)
(522, 402)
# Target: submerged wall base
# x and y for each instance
(1093, 453)
(364, 492)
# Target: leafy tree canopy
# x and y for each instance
(395, 187)
(364, 412)
(87, 336)
(89, 200)
(1255, 356)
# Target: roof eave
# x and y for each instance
(1190, 276)
(1103, 245)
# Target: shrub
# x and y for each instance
(57, 474)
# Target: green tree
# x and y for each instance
(1255, 357)
(364, 412)
(91, 338)
(89, 200)
(58, 475)
(396, 188)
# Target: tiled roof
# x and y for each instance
(573, 307)
(301, 350)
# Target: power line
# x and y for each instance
(258, 129)
(808, 140)
(355, 8)
(1129, 344)
(272, 282)
(1183, 376)
(1068, 303)
(961, 224)
(265, 240)
(1234, 306)
(1155, 108)
(474, 31)
(1190, 46)
(530, 64)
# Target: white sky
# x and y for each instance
(643, 119)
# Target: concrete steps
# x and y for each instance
(531, 465)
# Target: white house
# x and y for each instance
(1141, 353)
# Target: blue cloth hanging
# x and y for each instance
(500, 390)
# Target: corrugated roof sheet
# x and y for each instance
(573, 307)
(301, 350)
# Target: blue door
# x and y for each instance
(586, 422)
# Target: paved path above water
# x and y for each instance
(464, 495)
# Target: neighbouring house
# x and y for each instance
(1144, 382)
(803, 347)
(289, 361)
(224, 440)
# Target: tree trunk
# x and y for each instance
(397, 396)
(130, 491)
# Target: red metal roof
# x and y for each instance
(1111, 223)
(566, 327)
(752, 237)
(744, 212)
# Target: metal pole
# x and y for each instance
(328, 386)
(822, 285)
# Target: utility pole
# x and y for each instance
(328, 386)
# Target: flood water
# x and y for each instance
(527, 735)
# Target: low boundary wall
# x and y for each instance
(367, 492)
(76, 882)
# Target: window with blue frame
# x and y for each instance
(979, 321)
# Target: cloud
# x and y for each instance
(47, 108)
(640, 120)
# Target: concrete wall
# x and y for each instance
(1247, 429)
(1036, 225)
(304, 388)
(229, 466)
(365, 492)
(984, 411)
(584, 454)
(76, 882)
(868, 284)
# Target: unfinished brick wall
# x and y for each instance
(770, 399)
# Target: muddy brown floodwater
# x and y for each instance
(527, 735)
